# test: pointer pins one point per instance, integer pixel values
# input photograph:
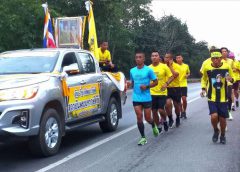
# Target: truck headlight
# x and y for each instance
(21, 93)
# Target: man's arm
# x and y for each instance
(204, 81)
(188, 72)
(152, 84)
(153, 78)
(175, 74)
(167, 83)
(230, 77)
(130, 83)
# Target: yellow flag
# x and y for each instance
(92, 37)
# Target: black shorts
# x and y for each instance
(220, 108)
(174, 93)
(183, 91)
(158, 102)
(229, 92)
(235, 85)
(145, 105)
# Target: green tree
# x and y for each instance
(21, 24)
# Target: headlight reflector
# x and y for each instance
(21, 93)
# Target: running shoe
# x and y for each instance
(160, 130)
(170, 123)
(222, 139)
(233, 108)
(237, 104)
(155, 131)
(165, 126)
(215, 136)
(230, 116)
(178, 121)
(184, 115)
(142, 141)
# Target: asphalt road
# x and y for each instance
(185, 149)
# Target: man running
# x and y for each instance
(141, 77)
(174, 91)
(236, 74)
(214, 79)
(159, 93)
(229, 61)
(185, 73)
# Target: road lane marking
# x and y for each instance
(91, 147)
(194, 99)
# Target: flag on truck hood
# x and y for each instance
(48, 39)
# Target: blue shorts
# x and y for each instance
(221, 108)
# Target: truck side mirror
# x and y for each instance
(71, 69)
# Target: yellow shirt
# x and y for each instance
(163, 73)
(176, 81)
(104, 56)
(205, 62)
(230, 63)
(236, 74)
(214, 81)
(184, 72)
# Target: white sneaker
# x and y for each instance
(230, 116)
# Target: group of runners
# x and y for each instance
(159, 87)
(156, 89)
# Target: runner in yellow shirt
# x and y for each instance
(230, 95)
(174, 91)
(236, 74)
(159, 92)
(214, 79)
(185, 73)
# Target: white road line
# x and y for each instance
(84, 150)
(194, 99)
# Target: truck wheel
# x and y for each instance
(48, 141)
(111, 121)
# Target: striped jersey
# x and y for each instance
(214, 81)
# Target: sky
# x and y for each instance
(215, 21)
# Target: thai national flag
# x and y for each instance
(48, 39)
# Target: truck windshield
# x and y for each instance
(28, 62)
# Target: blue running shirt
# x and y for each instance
(139, 77)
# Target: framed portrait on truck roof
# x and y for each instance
(68, 32)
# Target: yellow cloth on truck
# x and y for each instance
(117, 76)
(65, 87)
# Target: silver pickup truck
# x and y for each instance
(46, 92)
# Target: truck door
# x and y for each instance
(74, 82)
(93, 83)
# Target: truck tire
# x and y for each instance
(48, 141)
(111, 117)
